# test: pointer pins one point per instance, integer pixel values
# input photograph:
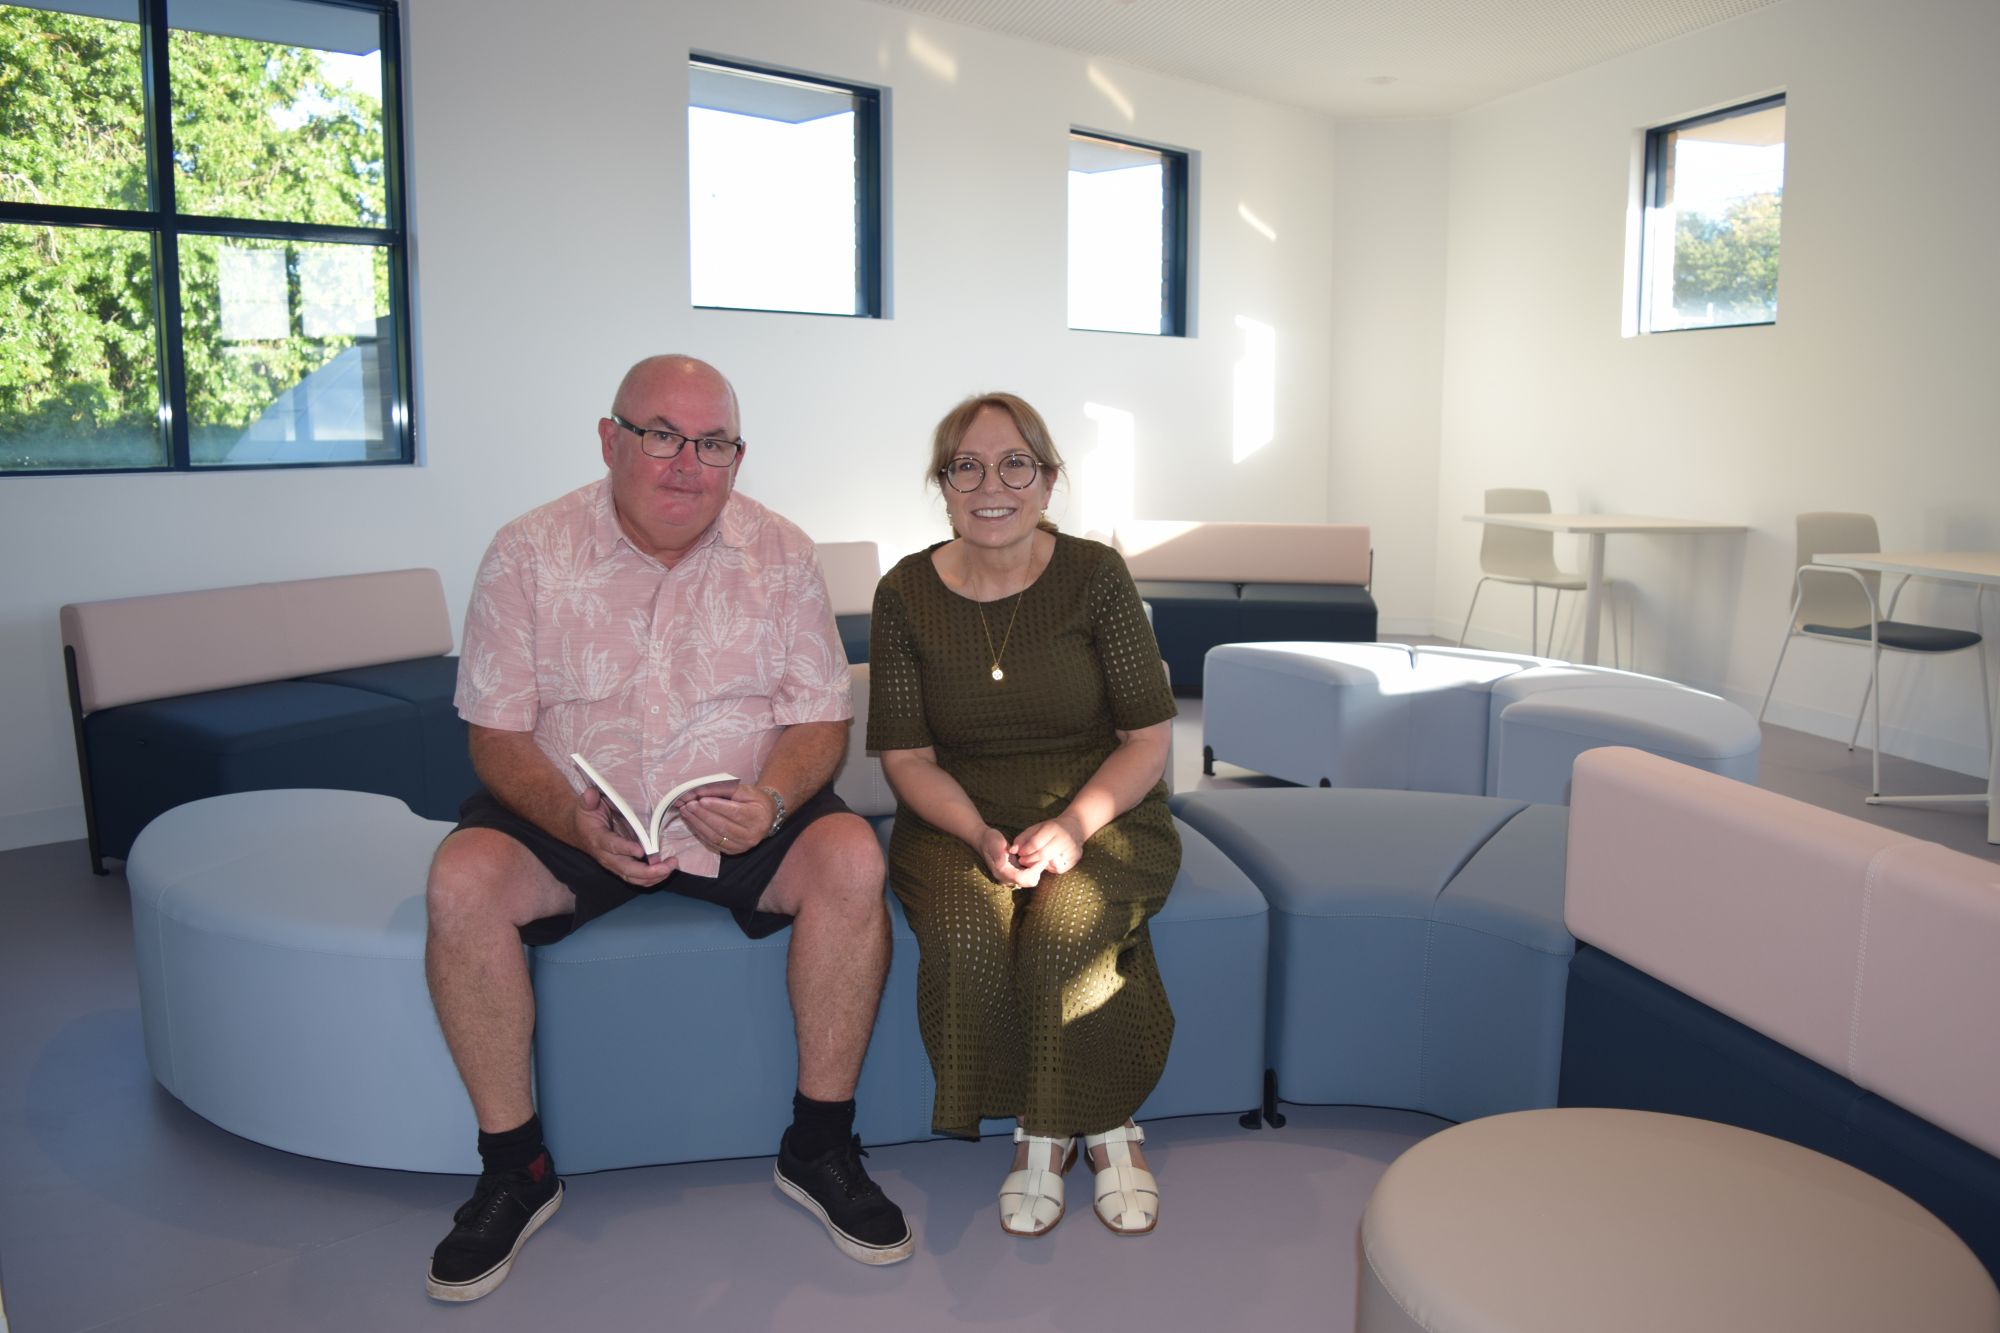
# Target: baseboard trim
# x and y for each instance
(32, 828)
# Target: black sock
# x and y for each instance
(513, 1149)
(819, 1127)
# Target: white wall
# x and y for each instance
(1387, 367)
(1875, 391)
(548, 171)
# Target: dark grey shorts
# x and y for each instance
(737, 885)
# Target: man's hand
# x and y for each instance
(731, 824)
(597, 829)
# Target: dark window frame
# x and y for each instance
(1176, 251)
(1653, 196)
(868, 210)
(165, 227)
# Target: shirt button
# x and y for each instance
(656, 708)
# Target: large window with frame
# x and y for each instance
(784, 191)
(1715, 189)
(202, 252)
(1128, 236)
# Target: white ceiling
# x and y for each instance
(1350, 58)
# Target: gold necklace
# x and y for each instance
(997, 673)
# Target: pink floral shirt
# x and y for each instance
(654, 675)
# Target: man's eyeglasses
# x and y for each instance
(669, 443)
(966, 473)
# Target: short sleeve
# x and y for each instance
(817, 685)
(496, 660)
(895, 687)
(1135, 682)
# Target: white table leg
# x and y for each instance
(1593, 597)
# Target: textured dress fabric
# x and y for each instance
(1043, 1003)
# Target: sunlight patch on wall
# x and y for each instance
(1257, 224)
(1102, 82)
(1255, 409)
(1106, 476)
(931, 56)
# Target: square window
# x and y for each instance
(784, 192)
(1128, 250)
(201, 240)
(1715, 188)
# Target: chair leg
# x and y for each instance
(1875, 684)
(1555, 618)
(1862, 711)
(1468, 612)
(1535, 618)
(1765, 707)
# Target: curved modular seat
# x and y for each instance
(1450, 719)
(1418, 954)
(1579, 1219)
(280, 945)
(280, 940)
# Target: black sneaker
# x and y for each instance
(492, 1226)
(836, 1189)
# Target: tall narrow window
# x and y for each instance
(1128, 227)
(784, 191)
(202, 255)
(1715, 187)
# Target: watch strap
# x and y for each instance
(778, 803)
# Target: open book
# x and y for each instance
(648, 831)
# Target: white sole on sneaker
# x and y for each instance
(859, 1250)
(473, 1289)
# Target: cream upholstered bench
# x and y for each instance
(1208, 583)
(1576, 1220)
(334, 682)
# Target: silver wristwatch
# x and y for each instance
(777, 820)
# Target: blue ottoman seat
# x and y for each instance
(1418, 955)
(618, 1087)
(280, 945)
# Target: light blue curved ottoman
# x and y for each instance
(664, 1035)
(1541, 733)
(280, 944)
(1418, 955)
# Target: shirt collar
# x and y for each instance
(731, 526)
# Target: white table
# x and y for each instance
(1978, 568)
(1596, 527)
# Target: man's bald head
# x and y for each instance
(674, 376)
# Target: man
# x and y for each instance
(663, 627)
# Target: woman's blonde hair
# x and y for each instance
(951, 431)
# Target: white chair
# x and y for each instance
(1523, 556)
(1843, 605)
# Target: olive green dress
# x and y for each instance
(1043, 1003)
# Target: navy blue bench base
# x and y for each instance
(1191, 617)
(389, 729)
(1630, 1040)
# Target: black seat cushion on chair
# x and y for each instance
(1902, 635)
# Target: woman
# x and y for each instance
(1022, 716)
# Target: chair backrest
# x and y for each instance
(852, 570)
(1836, 599)
(1517, 553)
(131, 649)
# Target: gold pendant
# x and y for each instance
(998, 674)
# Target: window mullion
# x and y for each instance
(166, 243)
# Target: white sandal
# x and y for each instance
(1128, 1198)
(1031, 1199)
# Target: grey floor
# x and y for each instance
(120, 1209)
